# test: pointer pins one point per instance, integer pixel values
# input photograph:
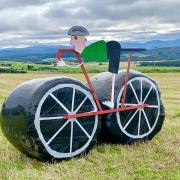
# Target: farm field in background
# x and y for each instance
(157, 159)
(22, 67)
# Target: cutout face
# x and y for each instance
(79, 43)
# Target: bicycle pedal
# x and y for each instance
(109, 104)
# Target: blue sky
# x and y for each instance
(29, 22)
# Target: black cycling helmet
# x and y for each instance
(78, 31)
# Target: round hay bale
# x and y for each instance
(131, 125)
(32, 118)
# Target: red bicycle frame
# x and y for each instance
(100, 110)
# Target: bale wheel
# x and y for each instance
(141, 123)
(32, 118)
(132, 125)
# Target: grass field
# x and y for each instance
(157, 159)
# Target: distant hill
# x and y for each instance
(33, 54)
(149, 45)
(159, 54)
(160, 50)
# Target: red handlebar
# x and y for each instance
(61, 51)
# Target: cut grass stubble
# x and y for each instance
(156, 159)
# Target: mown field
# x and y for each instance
(157, 159)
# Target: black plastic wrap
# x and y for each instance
(24, 118)
(118, 127)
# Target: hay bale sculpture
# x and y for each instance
(59, 118)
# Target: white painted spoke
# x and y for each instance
(153, 106)
(148, 94)
(73, 97)
(141, 92)
(57, 100)
(128, 104)
(71, 137)
(62, 127)
(131, 119)
(134, 92)
(87, 134)
(50, 118)
(139, 123)
(80, 104)
(146, 119)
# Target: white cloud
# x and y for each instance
(38, 21)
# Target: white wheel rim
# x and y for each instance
(73, 121)
(141, 111)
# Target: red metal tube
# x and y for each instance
(61, 51)
(70, 116)
(89, 82)
(58, 56)
(126, 78)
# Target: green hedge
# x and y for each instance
(11, 70)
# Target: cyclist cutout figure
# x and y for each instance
(100, 50)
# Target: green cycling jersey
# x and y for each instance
(95, 52)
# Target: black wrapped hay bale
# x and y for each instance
(132, 125)
(32, 118)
